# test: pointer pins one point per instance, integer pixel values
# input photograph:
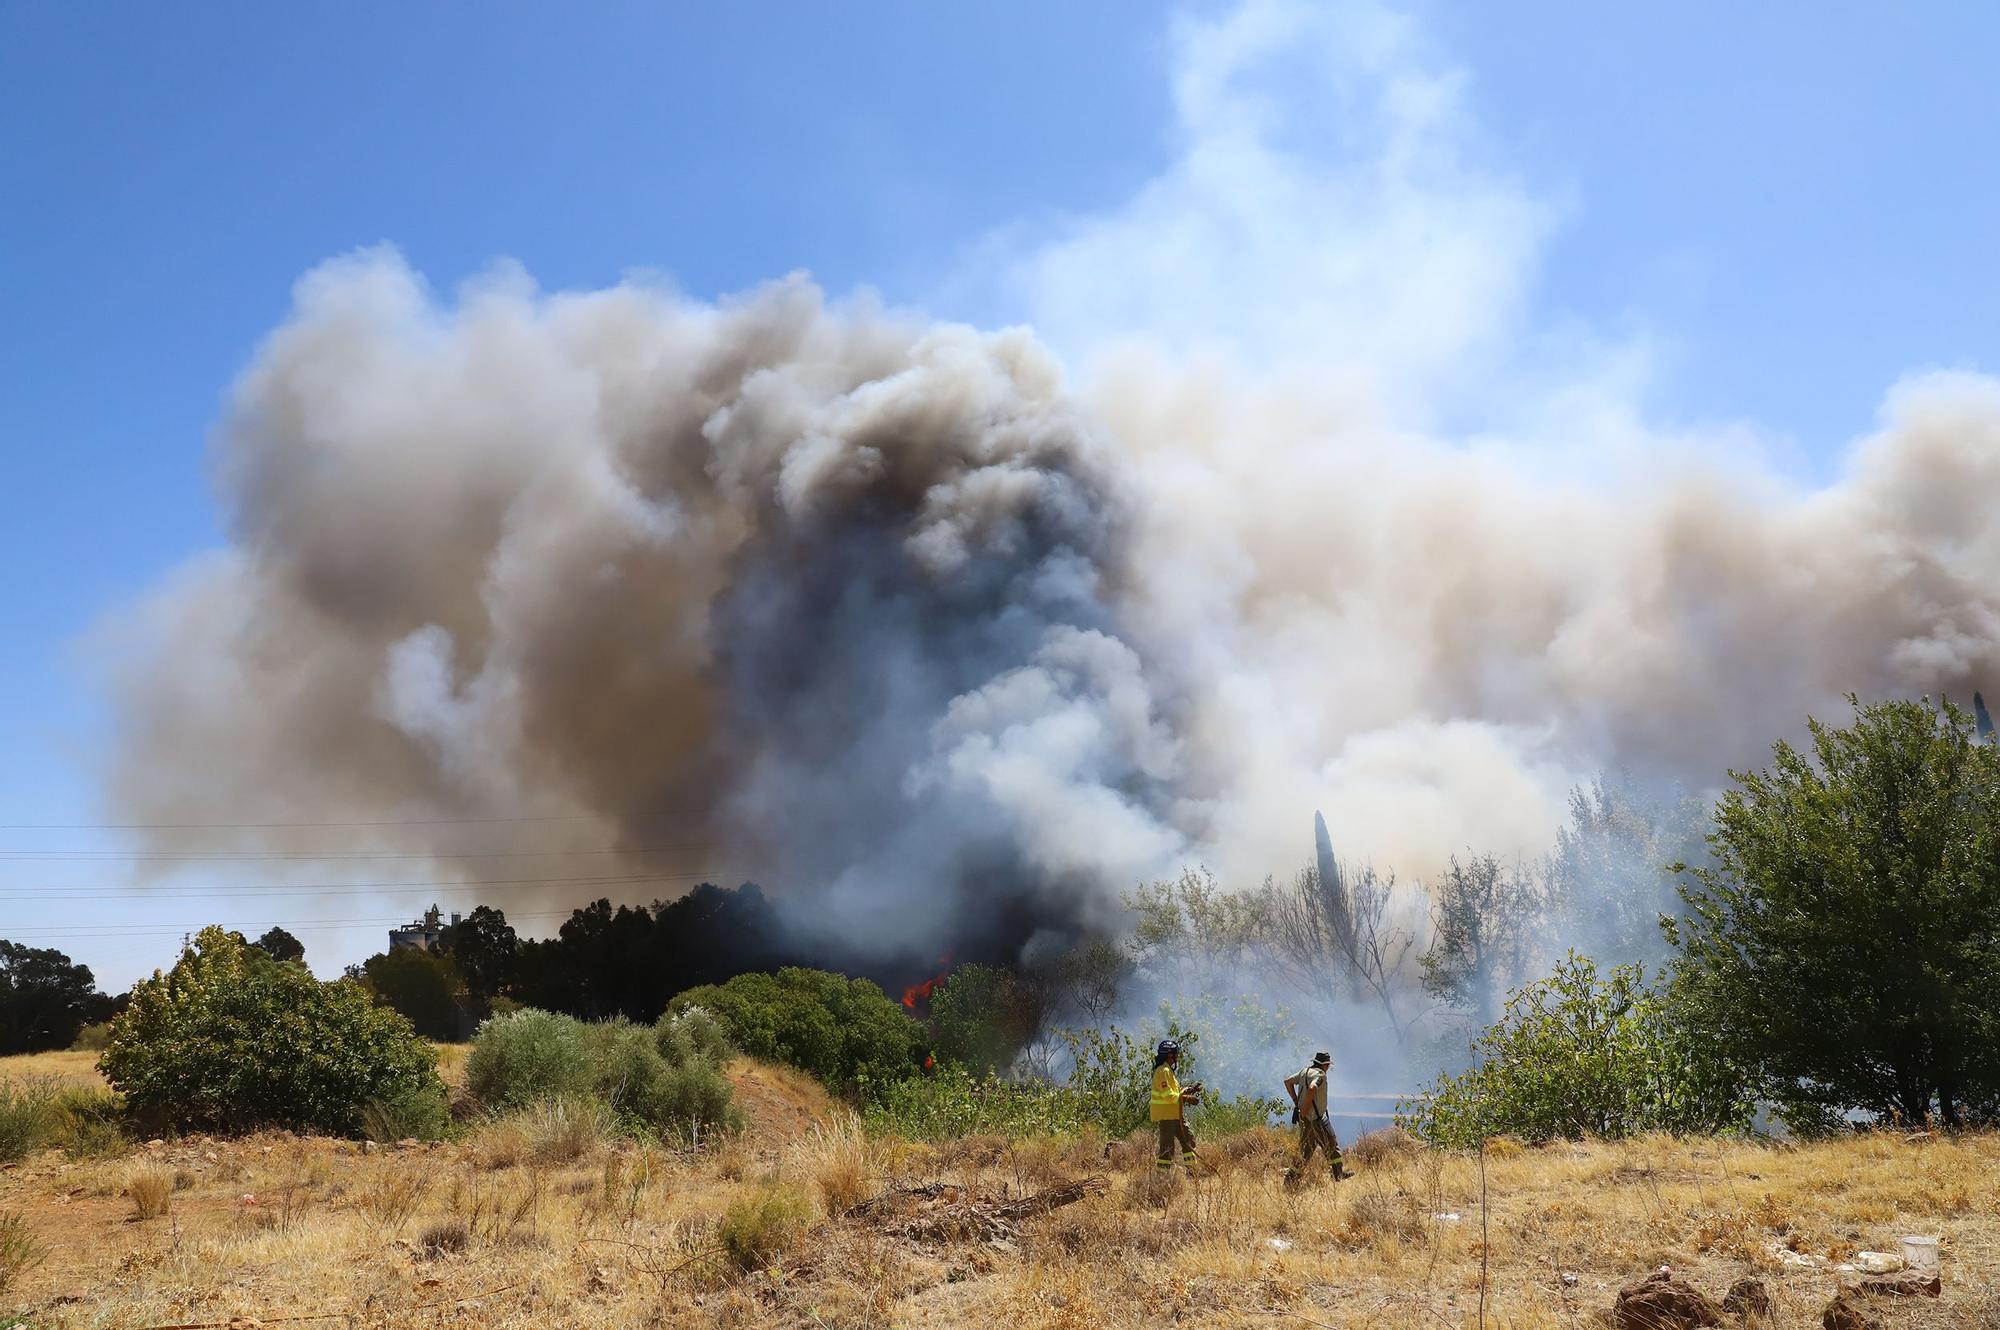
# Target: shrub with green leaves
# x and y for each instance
(844, 1031)
(413, 1112)
(528, 1055)
(1577, 1055)
(231, 1039)
(93, 1038)
(983, 1016)
(694, 1031)
(662, 1078)
(950, 1101)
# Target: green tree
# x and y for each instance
(45, 998)
(982, 1016)
(1845, 938)
(230, 1039)
(281, 946)
(486, 950)
(845, 1031)
(424, 986)
(1482, 916)
(1575, 1055)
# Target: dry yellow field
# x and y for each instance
(542, 1222)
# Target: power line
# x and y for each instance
(277, 826)
(311, 856)
(339, 888)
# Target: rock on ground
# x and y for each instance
(1662, 1302)
(1846, 1313)
(1748, 1297)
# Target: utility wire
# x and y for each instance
(241, 856)
(337, 888)
(272, 826)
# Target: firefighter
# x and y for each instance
(1308, 1091)
(1170, 1099)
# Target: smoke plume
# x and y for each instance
(944, 634)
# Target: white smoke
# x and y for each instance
(939, 638)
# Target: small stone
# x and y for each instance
(156, 1144)
(1908, 1284)
(1747, 1297)
(1844, 1313)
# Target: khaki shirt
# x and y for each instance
(1312, 1092)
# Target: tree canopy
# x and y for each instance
(45, 998)
(1845, 938)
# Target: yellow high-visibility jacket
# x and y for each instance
(1166, 1095)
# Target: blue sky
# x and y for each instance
(1791, 205)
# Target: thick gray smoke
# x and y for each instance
(835, 595)
(940, 634)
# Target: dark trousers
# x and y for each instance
(1173, 1131)
(1316, 1134)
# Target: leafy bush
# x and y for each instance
(231, 1039)
(692, 1100)
(951, 1102)
(694, 1032)
(414, 1112)
(660, 1078)
(1225, 1117)
(1574, 1056)
(759, 1226)
(525, 1056)
(983, 1016)
(93, 1038)
(844, 1031)
(626, 1066)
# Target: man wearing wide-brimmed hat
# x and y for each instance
(1308, 1091)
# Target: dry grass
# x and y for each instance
(20, 1250)
(556, 1131)
(65, 1068)
(756, 1232)
(150, 1188)
(835, 1157)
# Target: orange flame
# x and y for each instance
(916, 993)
